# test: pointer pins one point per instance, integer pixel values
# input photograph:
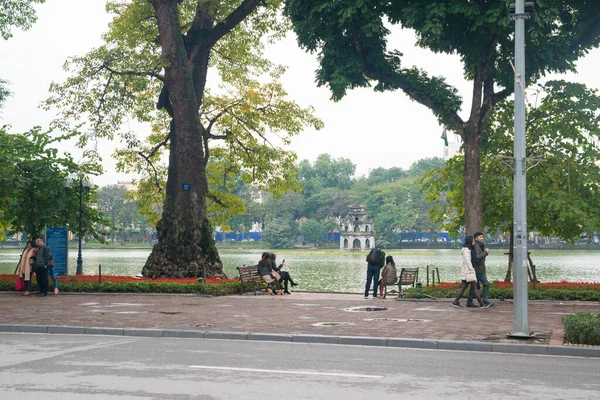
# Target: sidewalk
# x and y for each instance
(301, 313)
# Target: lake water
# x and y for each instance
(335, 271)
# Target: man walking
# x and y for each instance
(42, 262)
(481, 252)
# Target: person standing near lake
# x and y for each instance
(375, 260)
(25, 265)
(468, 276)
(481, 252)
(42, 261)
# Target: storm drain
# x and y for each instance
(398, 319)
(333, 324)
(365, 309)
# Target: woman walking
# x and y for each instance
(467, 274)
(25, 265)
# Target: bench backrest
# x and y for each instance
(408, 276)
(249, 273)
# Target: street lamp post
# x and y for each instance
(519, 13)
(82, 186)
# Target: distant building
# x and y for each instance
(357, 233)
(453, 147)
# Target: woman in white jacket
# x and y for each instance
(467, 273)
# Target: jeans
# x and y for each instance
(41, 274)
(372, 275)
(481, 278)
(53, 276)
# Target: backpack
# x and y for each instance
(376, 257)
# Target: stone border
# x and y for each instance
(513, 348)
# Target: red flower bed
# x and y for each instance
(120, 279)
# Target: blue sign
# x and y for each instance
(57, 239)
(186, 186)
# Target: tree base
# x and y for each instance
(174, 257)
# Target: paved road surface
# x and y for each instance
(103, 367)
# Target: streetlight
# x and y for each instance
(82, 185)
(519, 13)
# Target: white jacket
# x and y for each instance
(466, 266)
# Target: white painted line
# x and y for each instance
(289, 372)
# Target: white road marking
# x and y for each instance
(14, 359)
(289, 372)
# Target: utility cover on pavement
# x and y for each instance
(365, 309)
(333, 324)
(398, 319)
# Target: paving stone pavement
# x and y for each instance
(299, 313)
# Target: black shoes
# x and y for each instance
(41, 294)
(294, 284)
(472, 305)
(456, 304)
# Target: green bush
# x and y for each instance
(214, 289)
(582, 328)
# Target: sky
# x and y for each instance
(371, 129)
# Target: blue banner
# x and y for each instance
(57, 239)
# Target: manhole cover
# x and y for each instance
(365, 309)
(398, 319)
(333, 324)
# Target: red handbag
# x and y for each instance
(19, 285)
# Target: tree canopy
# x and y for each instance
(33, 175)
(16, 13)
(563, 177)
(154, 68)
(351, 36)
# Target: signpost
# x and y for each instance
(57, 239)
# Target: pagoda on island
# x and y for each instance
(357, 233)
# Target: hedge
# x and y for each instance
(582, 328)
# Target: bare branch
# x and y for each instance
(134, 73)
(151, 164)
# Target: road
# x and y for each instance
(105, 367)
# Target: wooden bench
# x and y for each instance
(408, 276)
(249, 274)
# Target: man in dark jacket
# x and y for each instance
(42, 261)
(481, 252)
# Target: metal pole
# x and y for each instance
(79, 258)
(520, 312)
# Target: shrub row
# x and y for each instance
(582, 294)
(214, 289)
(582, 328)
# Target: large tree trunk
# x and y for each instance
(185, 245)
(472, 183)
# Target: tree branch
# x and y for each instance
(397, 80)
(135, 73)
(233, 19)
(156, 180)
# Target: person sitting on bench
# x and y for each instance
(268, 275)
(388, 274)
(284, 275)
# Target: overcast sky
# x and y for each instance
(372, 129)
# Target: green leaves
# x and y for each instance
(562, 180)
(32, 180)
(16, 13)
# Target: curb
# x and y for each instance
(510, 348)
